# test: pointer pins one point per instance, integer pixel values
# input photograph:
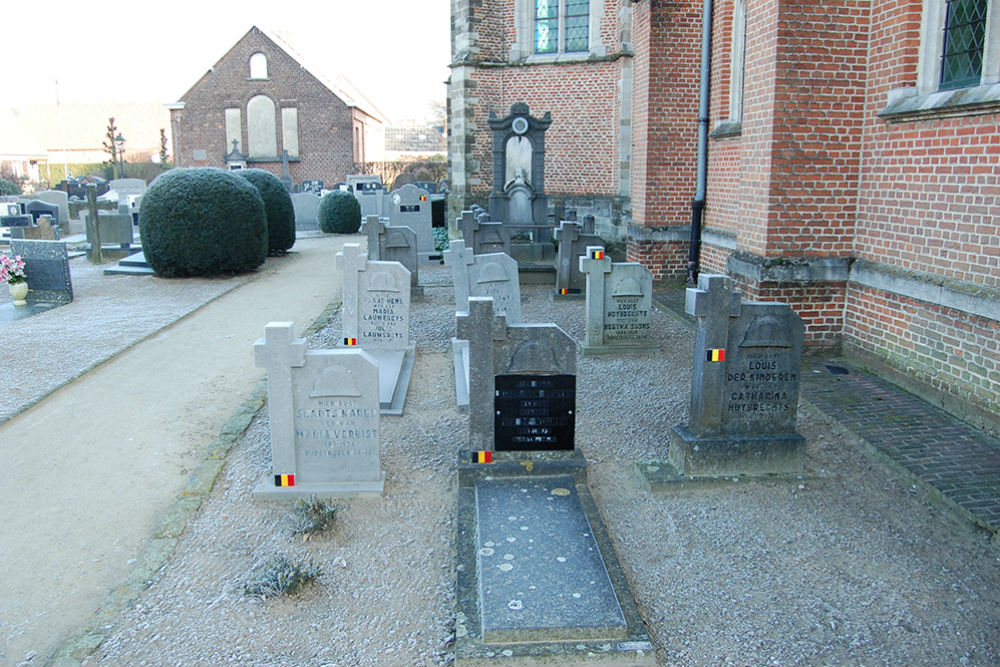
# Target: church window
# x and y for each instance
(258, 66)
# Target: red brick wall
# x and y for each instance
(325, 122)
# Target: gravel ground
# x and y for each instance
(846, 566)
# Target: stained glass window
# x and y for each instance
(577, 25)
(964, 37)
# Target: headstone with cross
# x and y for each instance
(744, 387)
(572, 242)
(522, 382)
(92, 206)
(619, 304)
(324, 418)
(376, 317)
(388, 243)
(483, 236)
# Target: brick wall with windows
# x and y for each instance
(325, 122)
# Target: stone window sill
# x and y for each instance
(906, 104)
(726, 129)
(546, 58)
(291, 158)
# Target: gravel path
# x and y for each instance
(846, 566)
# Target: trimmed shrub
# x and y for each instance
(277, 206)
(202, 222)
(9, 187)
(339, 213)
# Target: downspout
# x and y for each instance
(698, 205)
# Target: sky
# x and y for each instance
(395, 51)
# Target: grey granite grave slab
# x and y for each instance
(619, 304)
(46, 267)
(60, 199)
(410, 206)
(482, 236)
(550, 626)
(376, 317)
(306, 206)
(542, 576)
(116, 228)
(387, 243)
(133, 265)
(744, 388)
(323, 408)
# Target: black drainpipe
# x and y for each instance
(698, 205)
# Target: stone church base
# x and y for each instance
(694, 456)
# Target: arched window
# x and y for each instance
(258, 66)
(737, 60)
(262, 133)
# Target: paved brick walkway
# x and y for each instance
(946, 454)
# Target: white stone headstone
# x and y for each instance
(619, 304)
(410, 206)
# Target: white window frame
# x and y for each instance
(524, 23)
(932, 23)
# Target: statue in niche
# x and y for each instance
(519, 201)
(518, 160)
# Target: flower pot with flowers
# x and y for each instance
(12, 273)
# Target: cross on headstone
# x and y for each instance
(595, 269)
(286, 175)
(351, 261)
(92, 206)
(373, 228)
(481, 328)
(467, 225)
(458, 258)
(279, 351)
(712, 304)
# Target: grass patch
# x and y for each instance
(281, 576)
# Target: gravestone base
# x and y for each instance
(460, 356)
(573, 295)
(394, 370)
(433, 257)
(555, 594)
(266, 490)
(693, 456)
(533, 253)
(133, 265)
(536, 274)
(657, 476)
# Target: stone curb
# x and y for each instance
(76, 649)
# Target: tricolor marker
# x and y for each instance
(482, 457)
(597, 254)
(716, 355)
(284, 480)
(350, 341)
(423, 197)
(570, 290)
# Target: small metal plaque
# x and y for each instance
(534, 412)
(409, 208)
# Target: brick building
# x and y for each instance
(853, 163)
(266, 98)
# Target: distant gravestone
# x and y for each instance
(482, 236)
(46, 268)
(393, 244)
(619, 304)
(369, 191)
(745, 386)
(573, 242)
(43, 231)
(116, 228)
(60, 199)
(306, 206)
(314, 186)
(410, 206)
(126, 187)
(37, 208)
(323, 407)
(522, 382)
(376, 317)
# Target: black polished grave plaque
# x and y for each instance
(534, 412)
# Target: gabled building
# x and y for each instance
(262, 100)
(849, 161)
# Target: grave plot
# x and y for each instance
(744, 390)
(539, 580)
(323, 407)
(376, 316)
(619, 304)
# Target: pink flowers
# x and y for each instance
(12, 269)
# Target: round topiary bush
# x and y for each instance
(339, 213)
(277, 206)
(202, 222)
(9, 187)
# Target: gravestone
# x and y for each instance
(37, 208)
(60, 199)
(43, 231)
(46, 268)
(482, 236)
(370, 193)
(323, 407)
(376, 317)
(93, 207)
(126, 187)
(312, 185)
(745, 386)
(409, 206)
(115, 228)
(393, 244)
(522, 382)
(619, 304)
(306, 205)
(571, 283)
